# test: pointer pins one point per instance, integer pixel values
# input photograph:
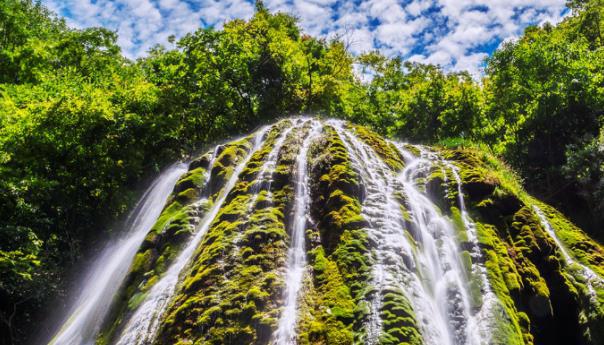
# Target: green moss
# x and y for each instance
(413, 149)
(334, 304)
(136, 300)
(193, 179)
(175, 224)
(581, 247)
(385, 149)
(589, 254)
(232, 291)
(522, 262)
(505, 281)
(227, 160)
(141, 261)
(398, 320)
(525, 269)
(230, 294)
(459, 226)
(327, 313)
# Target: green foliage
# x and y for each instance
(228, 81)
(419, 102)
(539, 106)
(544, 101)
(80, 125)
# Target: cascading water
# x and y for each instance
(489, 299)
(143, 324)
(433, 272)
(264, 178)
(296, 257)
(263, 181)
(384, 217)
(588, 274)
(266, 173)
(385, 264)
(110, 268)
(442, 275)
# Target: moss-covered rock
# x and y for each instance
(385, 149)
(541, 299)
(399, 325)
(184, 209)
(228, 296)
(232, 291)
(331, 312)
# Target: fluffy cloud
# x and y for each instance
(142, 24)
(457, 34)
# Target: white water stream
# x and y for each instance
(445, 295)
(415, 248)
(592, 279)
(265, 175)
(110, 269)
(383, 214)
(143, 324)
(424, 262)
(489, 299)
(296, 256)
(262, 181)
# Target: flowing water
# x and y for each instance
(592, 278)
(265, 176)
(489, 299)
(415, 247)
(445, 295)
(384, 216)
(296, 256)
(143, 324)
(424, 262)
(262, 182)
(110, 269)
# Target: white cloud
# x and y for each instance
(415, 8)
(457, 34)
(314, 16)
(471, 63)
(475, 25)
(359, 40)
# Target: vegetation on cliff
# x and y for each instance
(232, 292)
(81, 126)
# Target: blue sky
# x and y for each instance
(456, 34)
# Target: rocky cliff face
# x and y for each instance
(321, 232)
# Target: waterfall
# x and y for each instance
(264, 176)
(428, 268)
(266, 172)
(445, 295)
(110, 269)
(395, 266)
(296, 256)
(489, 299)
(383, 214)
(142, 326)
(592, 278)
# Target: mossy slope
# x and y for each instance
(542, 297)
(191, 197)
(232, 292)
(332, 310)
